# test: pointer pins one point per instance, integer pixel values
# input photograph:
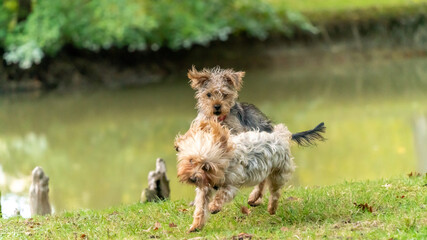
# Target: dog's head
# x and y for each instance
(203, 153)
(216, 90)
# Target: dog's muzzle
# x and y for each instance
(217, 109)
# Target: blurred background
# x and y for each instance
(93, 91)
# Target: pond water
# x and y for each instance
(97, 147)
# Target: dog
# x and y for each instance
(217, 93)
(210, 158)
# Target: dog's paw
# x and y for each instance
(215, 211)
(255, 203)
(214, 208)
(272, 210)
(193, 229)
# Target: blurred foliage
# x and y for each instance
(135, 24)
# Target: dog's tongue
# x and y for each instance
(222, 118)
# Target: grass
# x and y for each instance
(338, 211)
(339, 5)
(336, 11)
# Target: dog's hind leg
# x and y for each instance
(255, 198)
(201, 201)
(275, 182)
(224, 194)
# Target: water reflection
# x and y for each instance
(14, 205)
(98, 147)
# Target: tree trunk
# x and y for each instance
(39, 193)
(158, 184)
(420, 135)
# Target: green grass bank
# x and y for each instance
(367, 22)
(381, 209)
(328, 11)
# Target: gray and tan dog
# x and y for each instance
(210, 158)
(217, 94)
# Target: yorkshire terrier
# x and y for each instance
(210, 158)
(217, 93)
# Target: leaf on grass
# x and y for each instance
(83, 236)
(157, 225)
(242, 236)
(182, 210)
(387, 185)
(364, 207)
(347, 221)
(172, 225)
(245, 210)
(414, 174)
(291, 199)
(284, 229)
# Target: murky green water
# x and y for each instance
(98, 147)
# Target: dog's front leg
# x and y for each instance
(200, 216)
(255, 198)
(224, 194)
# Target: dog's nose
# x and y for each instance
(193, 179)
(217, 106)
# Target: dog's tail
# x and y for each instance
(308, 137)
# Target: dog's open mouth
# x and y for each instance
(217, 113)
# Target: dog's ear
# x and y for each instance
(197, 79)
(178, 138)
(235, 79)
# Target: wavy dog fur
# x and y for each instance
(210, 158)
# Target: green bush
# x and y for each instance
(135, 25)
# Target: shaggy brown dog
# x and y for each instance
(212, 159)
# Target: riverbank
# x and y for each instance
(343, 29)
(381, 209)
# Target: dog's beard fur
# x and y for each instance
(203, 154)
(216, 90)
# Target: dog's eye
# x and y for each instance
(224, 95)
(191, 161)
(209, 95)
(206, 167)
